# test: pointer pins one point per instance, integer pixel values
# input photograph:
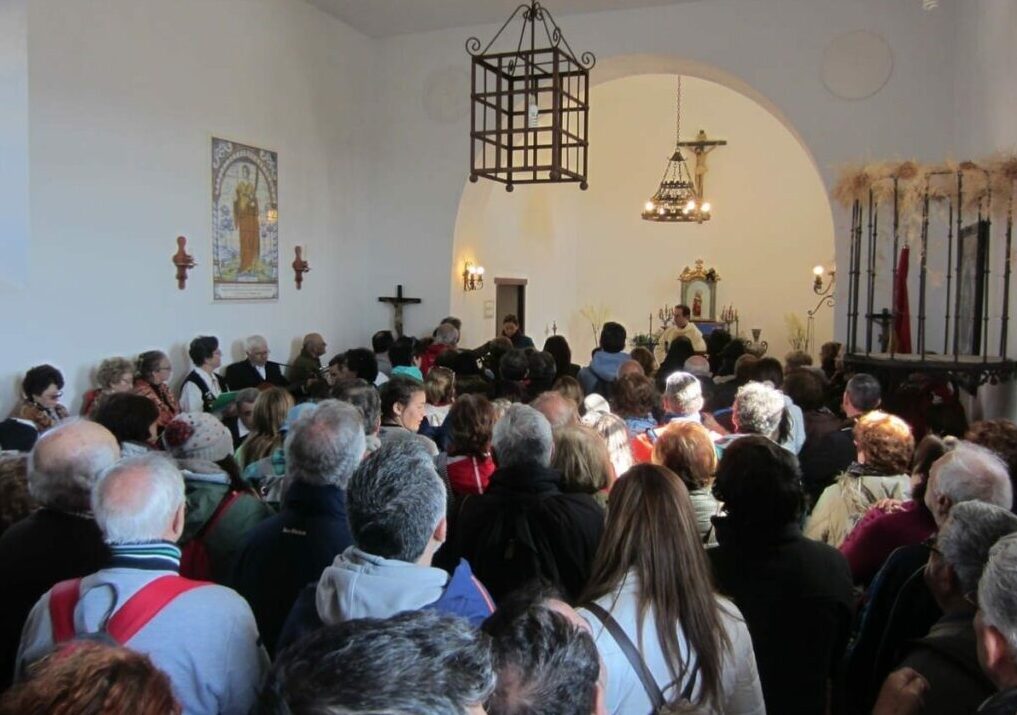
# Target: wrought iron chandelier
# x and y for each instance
(679, 198)
(529, 104)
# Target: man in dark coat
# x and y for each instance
(523, 526)
(289, 550)
(831, 455)
(60, 540)
(257, 369)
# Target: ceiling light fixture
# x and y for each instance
(529, 114)
(679, 197)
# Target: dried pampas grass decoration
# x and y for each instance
(852, 185)
(993, 179)
(1003, 174)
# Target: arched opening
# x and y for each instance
(590, 252)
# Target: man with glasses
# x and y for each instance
(947, 656)
(257, 369)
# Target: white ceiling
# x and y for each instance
(384, 18)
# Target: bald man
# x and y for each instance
(558, 409)
(61, 540)
(307, 367)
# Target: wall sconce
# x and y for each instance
(272, 214)
(819, 287)
(473, 277)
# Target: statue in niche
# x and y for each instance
(697, 305)
(245, 210)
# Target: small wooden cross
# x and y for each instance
(397, 302)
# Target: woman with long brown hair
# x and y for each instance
(666, 637)
(270, 411)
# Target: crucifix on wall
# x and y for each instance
(701, 146)
(397, 302)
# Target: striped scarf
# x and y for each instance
(150, 555)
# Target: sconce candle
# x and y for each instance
(473, 277)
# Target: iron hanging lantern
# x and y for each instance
(529, 109)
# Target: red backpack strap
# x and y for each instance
(62, 600)
(146, 604)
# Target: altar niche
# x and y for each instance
(956, 223)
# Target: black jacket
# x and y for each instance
(796, 597)
(240, 375)
(899, 609)
(287, 551)
(823, 461)
(524, 527)
(35, 554)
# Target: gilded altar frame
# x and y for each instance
(699, 291)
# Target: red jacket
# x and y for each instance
(469, 475)
(430, 355)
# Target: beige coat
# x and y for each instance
(844, 503)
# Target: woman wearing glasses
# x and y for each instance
(154, 370)
(41, 391)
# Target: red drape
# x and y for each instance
(901, 310)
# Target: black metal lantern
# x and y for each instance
(529, 113)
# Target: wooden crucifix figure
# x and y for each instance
(701, 146)
(397, 302)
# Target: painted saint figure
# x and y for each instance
(245, 210)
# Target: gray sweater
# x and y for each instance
(205, 640)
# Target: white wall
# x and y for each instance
(13, 143)
(771, 225)
(773, 48)
(985, 107)
(124, 98)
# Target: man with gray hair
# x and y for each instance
(996, 626)
(415, 662)
(682, 401)
(61, 539)
(396, 506)
(901, 606)
(287, 551)
(446, 337)
(524, 526)
(758, 409)
(968, 472)
(257, 369)
(947, 658)
(202, 636)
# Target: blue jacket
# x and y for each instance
(286, 551)
(462, 595)
(602, 370)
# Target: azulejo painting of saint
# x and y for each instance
(245, 222)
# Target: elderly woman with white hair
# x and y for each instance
(947, 656)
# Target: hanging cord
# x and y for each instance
(678, 113)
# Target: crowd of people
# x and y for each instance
(420, 527)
